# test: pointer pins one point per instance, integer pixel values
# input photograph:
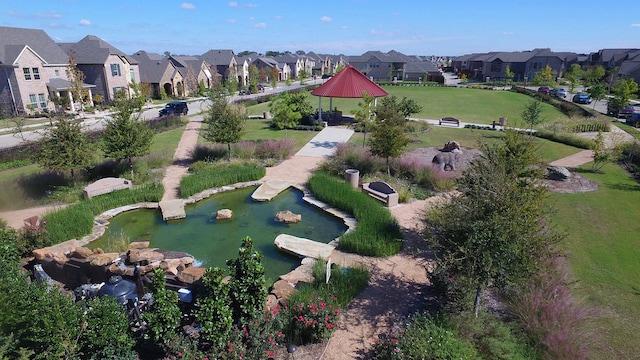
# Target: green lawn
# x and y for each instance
(603, 251)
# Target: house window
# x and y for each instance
(43, 101)
(36, 73)
(27, 73)
(132, 75)
(118, 88)
(57, 72)
(32, 101)
(115, 69)
(496, 66)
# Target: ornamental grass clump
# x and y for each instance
(210, 175)
(377, 233)
(276, 149)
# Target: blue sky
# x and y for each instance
(350, 27)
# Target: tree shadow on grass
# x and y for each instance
(40, 185)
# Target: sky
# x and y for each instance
(349, 27)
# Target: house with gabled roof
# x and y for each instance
(422, 70)
(194, 71)
(33, 70)
(630, 68)
(297, 63)
(159, 73)
(222, 62)
(103, 65)
(267, 64)
(381, 66)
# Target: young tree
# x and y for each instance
(602, 154)
(232, 85)
(623, 91)
(364, 115)
(213, 309)
(409, 107)
(545, 77)
(574, 75)
(273, 79)
(284, 113)
(254, 76)
(593, 75)
(65, 147)
(164, 315)
(508, 73)
(76, 78)
(302, 76)
(248, 289)
(125, 135)
(224, 121)
(388, 137)
(597, 91)
(531, 114)
(495, 231)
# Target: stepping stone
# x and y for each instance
(303, 247)
(270, 189)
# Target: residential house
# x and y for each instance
(194, 71)
(222, 62)
(266, 66)
(161, 75)
(630, 67)
(610, 58)
(422, 70)
(381, 66)
(33, 70)
(297, 64)
(319, 63)
(104, 66)
(333, 63)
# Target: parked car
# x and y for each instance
(175, 108)
(582, 98)
(544, 90)
(561, 93)
(326, 76)
(625, 112)
(242, 92)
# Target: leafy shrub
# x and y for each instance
(248, 290)
(33, 236)
(313, 317)
(259, 338)
(350, 156)
(107, 334)
(212, 309)
(377, 233)
(164, 315)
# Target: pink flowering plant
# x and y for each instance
(313, 318)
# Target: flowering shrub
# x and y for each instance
(276, 149)
(386, 348)
(313, 319)
(33, 236)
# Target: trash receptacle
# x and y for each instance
(503, 121)
(353, 177)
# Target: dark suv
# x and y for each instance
(625, 112)
(175, 108)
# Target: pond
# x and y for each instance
(213, 241)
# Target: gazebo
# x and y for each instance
(348, 83)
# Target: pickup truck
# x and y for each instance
(625, 112)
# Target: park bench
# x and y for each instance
(382, 191)
(450, 120)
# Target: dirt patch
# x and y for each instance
(427, 153)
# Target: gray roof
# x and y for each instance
(62, 84)
(13, 41)
(287, 58)
(218, 57)
(93, 50)
(421, 67)
(152, 66)
(389, 57)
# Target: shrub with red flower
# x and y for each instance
(313, 319)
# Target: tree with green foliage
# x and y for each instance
(573, 76)
(602, 154)
(495, 231)
(409, 107)
(288, 109)
(531, 114)
(388, 138)
(364, 114)
(125, 135)
(593, 75)
(76, 78)
(509, 74)
(597, 91)
(224, 121)
(254, 76)
(302, 76)
(106, 332)
(212, 310)
(65, 147)
(546, 76)
(624, 90)
(248, 290)
(164, 315)
(232, 85)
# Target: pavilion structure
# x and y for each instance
(348, 83)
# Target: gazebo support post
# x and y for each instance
(320, 108)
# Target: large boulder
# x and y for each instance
(191, 274)
(287, 217)
(224, 214)
(60, 250)
(558, 173)
(102, 259)
(144, 256)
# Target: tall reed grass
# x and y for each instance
(377, 233)
(76, 220)
(209, 175)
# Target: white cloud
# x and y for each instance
(278, 17)
(85, 22)
(635, 25)
(344, 27)
(231, 21)
(233, 4)
(187, 6)
(260, 25)
(326, 19)
(50, 15)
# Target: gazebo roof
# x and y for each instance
(349, 83)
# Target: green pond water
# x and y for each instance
(212, 242)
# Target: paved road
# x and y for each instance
(97, 121)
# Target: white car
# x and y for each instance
(561, 93)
